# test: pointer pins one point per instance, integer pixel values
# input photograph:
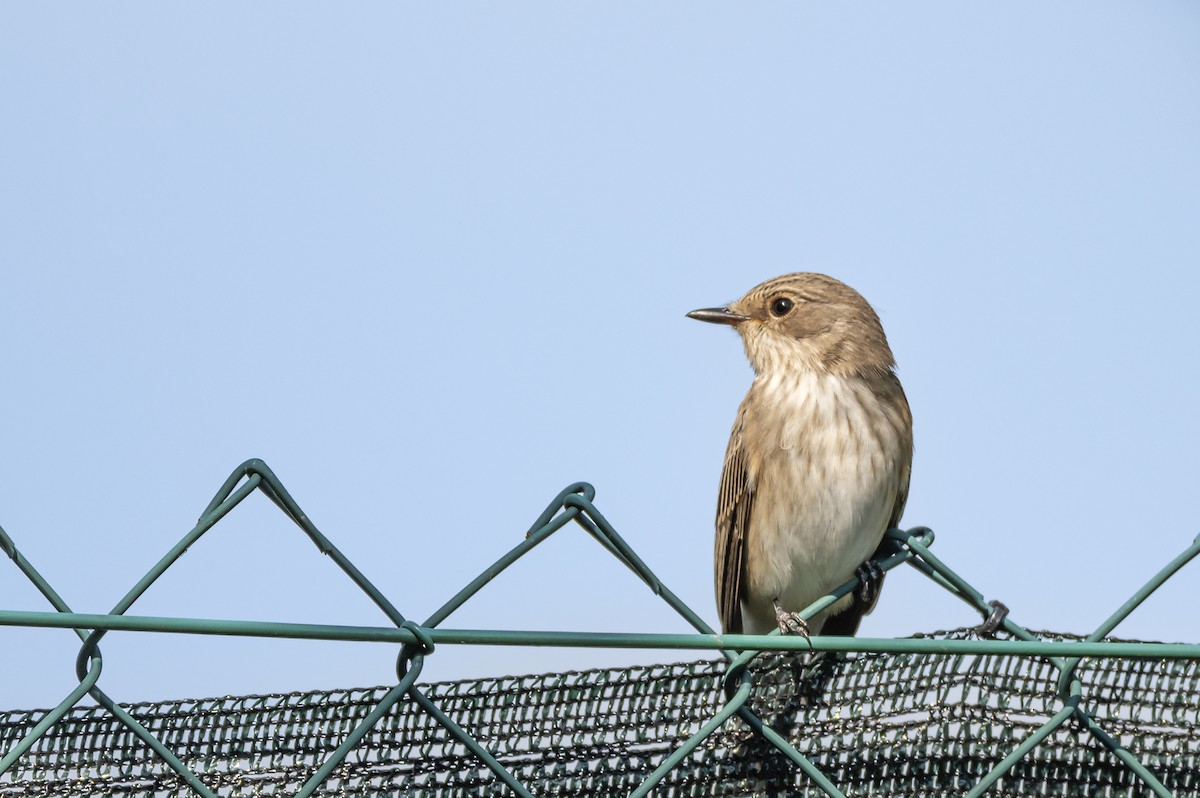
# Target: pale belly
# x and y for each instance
(820, 510)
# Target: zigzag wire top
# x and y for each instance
(575, 503)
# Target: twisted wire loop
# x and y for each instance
(1029, 713)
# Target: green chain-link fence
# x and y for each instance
(942, 714)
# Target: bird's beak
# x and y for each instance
(718, 316)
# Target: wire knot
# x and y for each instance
(424, 643)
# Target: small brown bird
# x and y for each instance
(818, 464)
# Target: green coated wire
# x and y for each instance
(703, 733)
(1140, 595)
(356, 734)
(633, 640)
(1070, 688)
(576, 504)
(1027, 745)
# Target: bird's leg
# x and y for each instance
(870, 577)
(994, 621)
(790, 622)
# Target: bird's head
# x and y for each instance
(806, 321)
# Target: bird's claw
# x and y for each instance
(790, 623)
(870, 577)
(994, 621)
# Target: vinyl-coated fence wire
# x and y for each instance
(941, 714)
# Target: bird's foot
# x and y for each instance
(870, 579)
(790, 623)
(994, 621)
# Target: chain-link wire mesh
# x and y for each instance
(942, 714)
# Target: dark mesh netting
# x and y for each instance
(896, 725)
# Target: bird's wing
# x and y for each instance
(902, 493)
(893, 522)
(906, 453)
(735, 500)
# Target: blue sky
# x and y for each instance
(431, 263)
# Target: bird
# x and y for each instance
(819, 459)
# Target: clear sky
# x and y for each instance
(431, 263)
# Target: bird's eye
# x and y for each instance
(781, 306)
